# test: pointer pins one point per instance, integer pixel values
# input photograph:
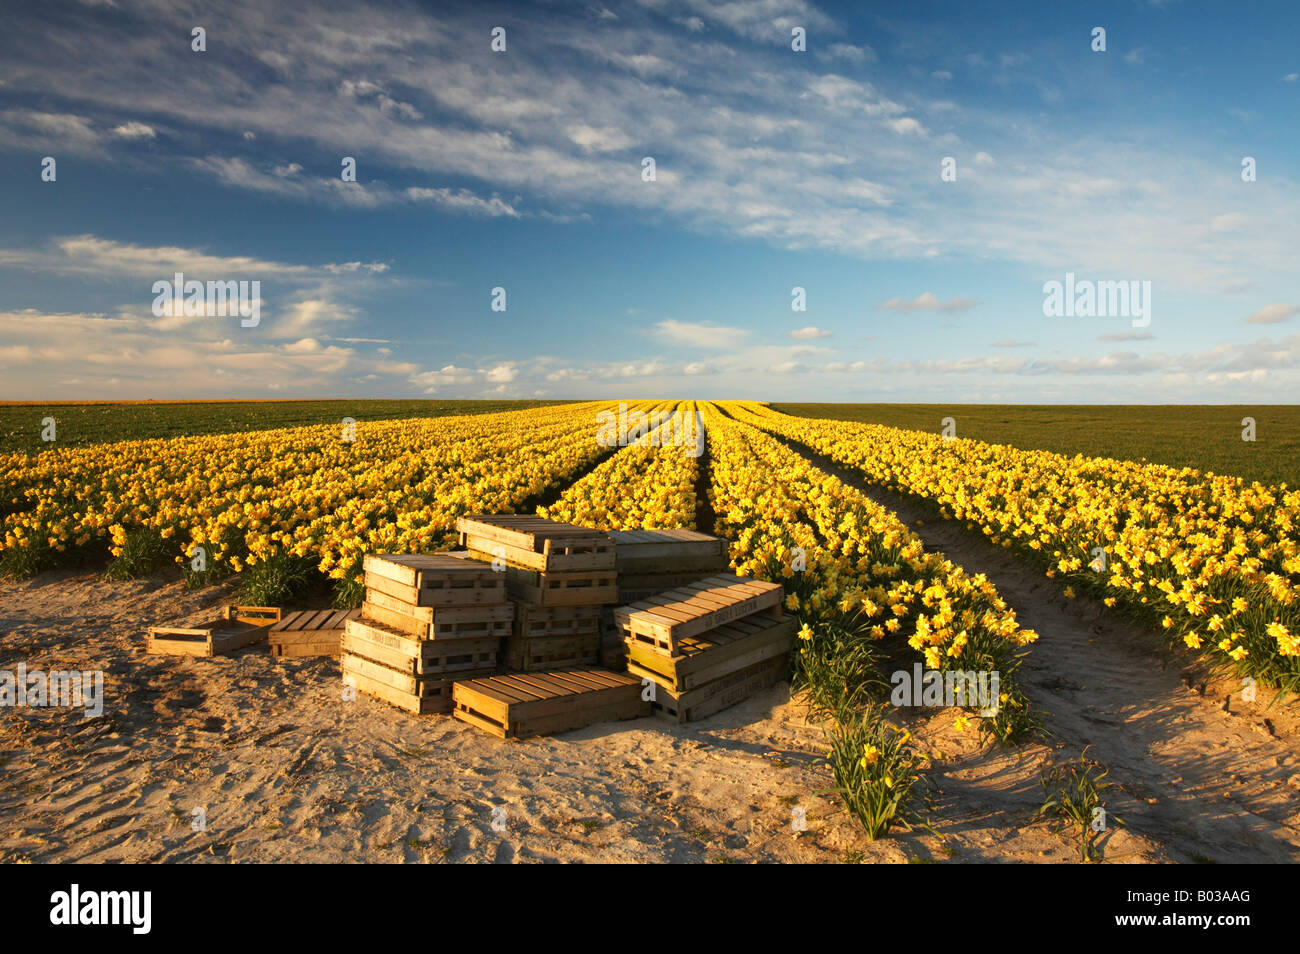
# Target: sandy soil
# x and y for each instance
(286, 770)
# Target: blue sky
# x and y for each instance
(775, 169)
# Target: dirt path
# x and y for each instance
(1204, 774)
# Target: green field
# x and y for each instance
(1204, 436)
(100, 422)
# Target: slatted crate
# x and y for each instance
(552, 621)
(432, 694)
(526, 704)
(632, 588)
(551, 652)
(433, 579)
(535, 543)
(235, 628)
(308, 633)
(721, 651)
(563, 588)
(654, 552)
(693, 704)
(663, 620)
(428, 622)
(419, 657)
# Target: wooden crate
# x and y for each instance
(564, 588)
(428, 657)
(517, 706)
(721, 651)
(551, 652)
(433, 579)
(715, 696)
(652, 552)
(551, 621)
(309, 632)
(638, 587)
(378, 632)
(457, 622)
(433, 694)
(534, 543)
(236, 627)
(667, 618)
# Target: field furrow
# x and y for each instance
(1212, 560)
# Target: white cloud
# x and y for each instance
(605, 139)
(134, 130)
(1272, 314)
(927, 301)
(67, 128)
(502, 373)
(941, 75)
(809, 332)
(134, 355)
(462, 200)
(700, 335)
(905, 125)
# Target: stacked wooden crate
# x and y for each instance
(428, 620)
(309, 633)
(708, 645)
(654, 561)
(560, 576)
(539, 703)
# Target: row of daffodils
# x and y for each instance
(649, 485)
(857, 574)
(324, 494)
(1212, 559)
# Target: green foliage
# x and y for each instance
(143, 552)
(97, 423)
(276, 580)
(1073, 790)
(875, 770)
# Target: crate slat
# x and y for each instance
(667, 618)
(521, 705)
(425, 657)
(693, 704)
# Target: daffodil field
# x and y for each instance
(1214, 560)
(241, 501)
(1210, 559)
